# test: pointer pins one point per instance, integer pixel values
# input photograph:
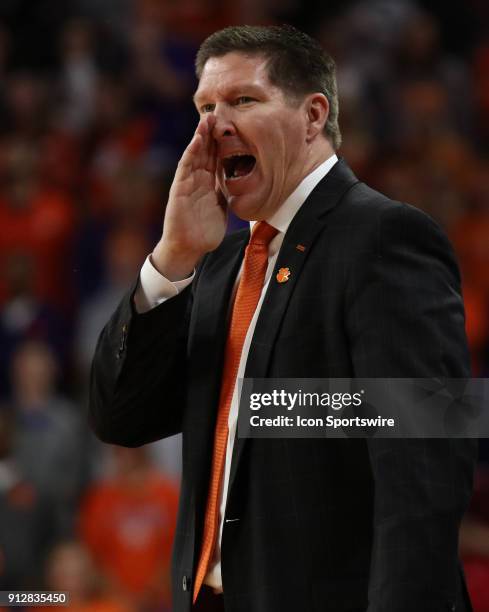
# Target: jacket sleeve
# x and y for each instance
(138, 377)
(406, 319)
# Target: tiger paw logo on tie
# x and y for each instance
(283, 275)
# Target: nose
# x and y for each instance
(224, 125)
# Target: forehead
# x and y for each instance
(232, 71)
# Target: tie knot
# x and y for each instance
(263, 233)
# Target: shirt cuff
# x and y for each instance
(154, 289)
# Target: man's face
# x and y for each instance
(260, 135)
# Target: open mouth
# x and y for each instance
(237, 166)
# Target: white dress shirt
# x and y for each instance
(155, 289)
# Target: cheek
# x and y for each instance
(272, 146)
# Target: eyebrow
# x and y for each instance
(196, 97)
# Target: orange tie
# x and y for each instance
(247, 297)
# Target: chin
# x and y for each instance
(245, 209)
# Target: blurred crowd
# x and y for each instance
(96, 108)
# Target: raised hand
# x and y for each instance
(196, 214)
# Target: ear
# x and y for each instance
(317, 109)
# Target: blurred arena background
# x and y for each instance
(95, 110)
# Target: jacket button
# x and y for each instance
(185, 583)
(122, 345)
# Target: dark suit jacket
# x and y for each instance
(314, 525)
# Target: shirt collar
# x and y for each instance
(282, 217)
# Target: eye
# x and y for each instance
(207, 108)
(244, 100)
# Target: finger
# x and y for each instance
(206, 153)
(201, 151)
(211, 156)
(211, 122)
(210, 145)
(202, 128)
(189, 159)
(202, 154)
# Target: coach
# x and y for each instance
(335, 280)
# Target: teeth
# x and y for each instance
(233, 175)
(236, 155)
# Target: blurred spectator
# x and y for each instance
(188, 19)
(60, 164)
(151, 67)
(128, 522)
(116, 13)
(79, 74)
(420, 56)
(471, 239)
(27, 100)
(415, 91)
(162, 82)
(26, 526)
(124, 253)
(25, 316)
(70, 569)
(166, 456)
(4, 50)
(51, 437)
(117, 137)
(35, 220)
(4, 58)
(481, 83)
(126, 197)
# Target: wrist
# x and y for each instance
(172, 262)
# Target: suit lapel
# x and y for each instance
(304, 229)
(302, 232)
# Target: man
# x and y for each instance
(368, 288)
